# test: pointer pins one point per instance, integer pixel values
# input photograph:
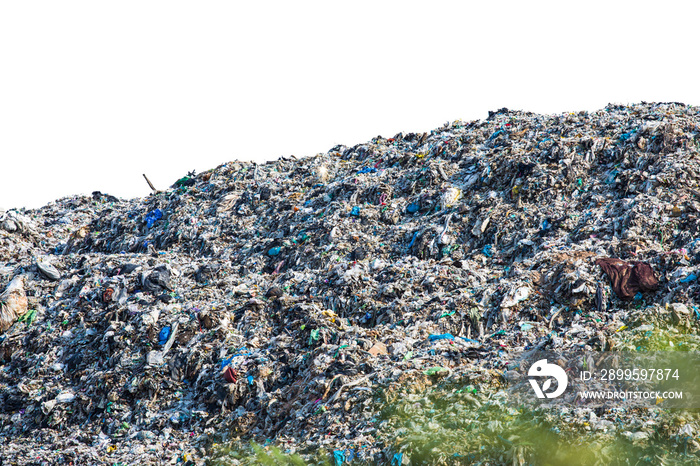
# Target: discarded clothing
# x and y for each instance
(629, 278)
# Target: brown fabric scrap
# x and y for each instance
(628, 278)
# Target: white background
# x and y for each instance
(95, 93)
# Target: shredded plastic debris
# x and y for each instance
(274, 302)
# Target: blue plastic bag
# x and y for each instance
(164, 335)
(153, 217)
(339, 457)
(441, 336)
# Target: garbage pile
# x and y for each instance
(277, 301)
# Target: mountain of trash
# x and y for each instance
(280, 301)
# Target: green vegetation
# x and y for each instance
(463, 424)
(254, 454)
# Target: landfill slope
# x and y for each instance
(275, 301)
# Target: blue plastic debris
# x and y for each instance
(487, 250)
(611, 177)
(495, 134)
(250, 380)
(412, 208)
(441, 336)
(415, 235)
(153, 217)
(274, 251)
(164, 335)
(355, 211)
(339, 457)
(397, 460)
(367, 170)
(226, 362)
(690, 278)
(627, 136)
(470, 340)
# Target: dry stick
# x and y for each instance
(329, 387)
(348, 385)
(556, 314)
(149, 183)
